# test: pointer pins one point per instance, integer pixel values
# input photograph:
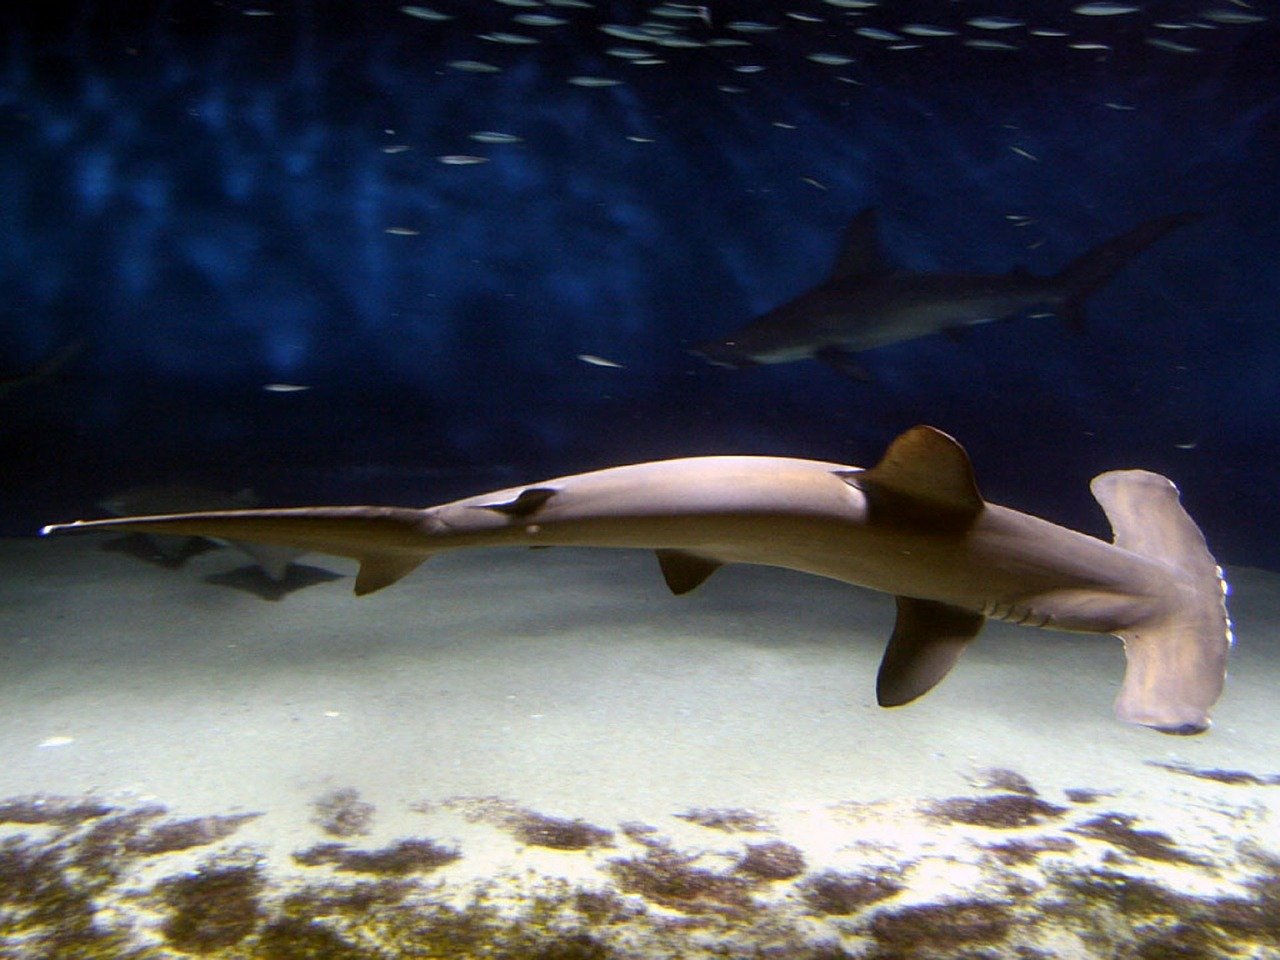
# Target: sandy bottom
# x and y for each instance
(503, 704)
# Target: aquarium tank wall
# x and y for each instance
(290, 254)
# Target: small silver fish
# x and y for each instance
(424, 13)
(1103, 9)
(593, 360)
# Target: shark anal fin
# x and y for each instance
(528, 502)
(685, 571)
(927, 640)
(924, 478)
(378, 570)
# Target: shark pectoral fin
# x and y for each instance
(923, 478)
(685, 571)
(378, 570)
(927, 640)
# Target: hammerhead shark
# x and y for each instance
(866, 302)
(914, 526)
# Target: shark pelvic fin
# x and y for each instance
(528, 502)
(860, 254)
(923, 478)
(685, 571)
(927, 640)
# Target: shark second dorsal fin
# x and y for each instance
(860, 254)
(924, 477)
(685, 571)
(927, 640)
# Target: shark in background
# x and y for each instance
(914, 526)
(866, 302)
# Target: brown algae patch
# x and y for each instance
(841, 894)
(1139, 917)
(773, 860)
(1084, 795)
(215, 907)
(919, 930)
(1235, 778)
(557, 833)
(1021, 852)
(396, 859)
(185, 834)
(1117, 829)
(1003, 811)
(61, 811)
(1004, 780)
(72, 892)
(49, 909)
(672, 879)
(730, 821)
(341, 813)
(530, 827)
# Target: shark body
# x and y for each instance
(867, 303)
(914, 526)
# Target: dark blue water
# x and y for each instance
(195, 201)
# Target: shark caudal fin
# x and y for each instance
(1177, 662)
(388, 542)
(1088, 272)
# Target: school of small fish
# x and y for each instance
(844, 35)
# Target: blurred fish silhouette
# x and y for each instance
(866, 302)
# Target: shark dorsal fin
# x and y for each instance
(860, 253)
(528, 502)
(924, 477)
(684, 571)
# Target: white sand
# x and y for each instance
(569, 680)
(571, 683)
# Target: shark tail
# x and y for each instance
(1093, 269)
(1176, 662)
(387, 542)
